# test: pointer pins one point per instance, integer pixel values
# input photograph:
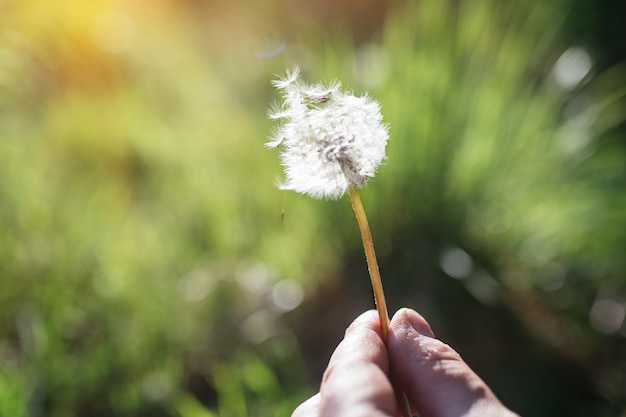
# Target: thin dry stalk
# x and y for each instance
(377, 284)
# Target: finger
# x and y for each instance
(309, 408)
(437, 381)
(355, 382)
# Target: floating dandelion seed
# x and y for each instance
(332, 142)
(330, 139)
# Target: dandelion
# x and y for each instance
(330, 139)
(332, 142)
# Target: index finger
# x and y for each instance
(356, 381)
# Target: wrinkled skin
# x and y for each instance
(437, 382)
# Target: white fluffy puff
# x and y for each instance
(329, 138)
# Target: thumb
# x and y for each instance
(435, 378)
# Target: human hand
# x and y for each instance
(434, 377)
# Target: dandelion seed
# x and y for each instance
(330, 139)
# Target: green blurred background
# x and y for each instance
(144, 266)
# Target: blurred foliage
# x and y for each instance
(144, 268)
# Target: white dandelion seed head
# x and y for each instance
(330, 139)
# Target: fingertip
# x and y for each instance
(432, 373)
(368, 319)
(309, 408)
(406, 318)
(362, 342)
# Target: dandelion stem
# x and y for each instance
(372, 264)
(377, 284)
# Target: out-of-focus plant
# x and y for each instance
(130, 273)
